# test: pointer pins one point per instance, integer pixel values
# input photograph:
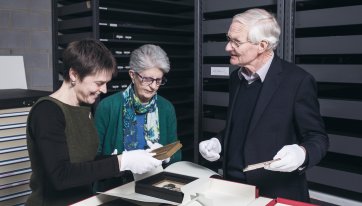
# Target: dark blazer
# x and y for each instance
(287, 112)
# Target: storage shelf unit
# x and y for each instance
(15, 169)
(326, 35)
(125, 25)
(320, 36)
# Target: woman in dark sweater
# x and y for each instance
(61, 136)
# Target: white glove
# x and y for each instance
(210, 149)
(138, 161)
(156, 145)
(291, 158)
(115, 152)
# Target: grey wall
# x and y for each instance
(25, 30)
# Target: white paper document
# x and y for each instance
(13, 73)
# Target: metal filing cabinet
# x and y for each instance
(325, 44)
(15, 171)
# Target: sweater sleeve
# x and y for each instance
(172, 131)
(47, 128)
(309, 122)
(102, 122)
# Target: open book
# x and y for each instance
(166, 151)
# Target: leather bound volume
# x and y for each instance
(166, 151)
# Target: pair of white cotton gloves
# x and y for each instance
(291, 156)
(140, 161)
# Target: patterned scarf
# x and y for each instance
(132, 106)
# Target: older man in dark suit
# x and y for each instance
(273, 113)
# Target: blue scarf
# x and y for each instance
(132, 106)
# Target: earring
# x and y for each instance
(72, 83)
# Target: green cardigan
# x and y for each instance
(109, 123)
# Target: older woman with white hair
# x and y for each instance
(138, 118)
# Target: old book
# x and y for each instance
(166, 151)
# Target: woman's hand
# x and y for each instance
(156, 145)
(138, 161)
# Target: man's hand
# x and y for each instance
(210, 149)
(291, 158)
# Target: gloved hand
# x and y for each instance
(138, 161)
(156, 145)
(115, 152)
(291, 158)
(210, 149)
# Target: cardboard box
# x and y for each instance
(210, 191)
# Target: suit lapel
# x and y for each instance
(270, 86)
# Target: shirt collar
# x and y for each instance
(260, 74)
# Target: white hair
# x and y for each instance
(261, 25)
(149, 56)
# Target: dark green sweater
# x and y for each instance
(109, 123)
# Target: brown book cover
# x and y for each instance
(166, 151)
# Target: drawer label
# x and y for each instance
(220, 71)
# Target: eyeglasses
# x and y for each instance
(146, 81)
(234, 43)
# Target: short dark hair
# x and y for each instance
(87, 57)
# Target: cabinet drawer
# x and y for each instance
(13, 120)
(12, 188)
(15, 164)
(14, 110)
(15, 141)
(12, 132)
(14, 176)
